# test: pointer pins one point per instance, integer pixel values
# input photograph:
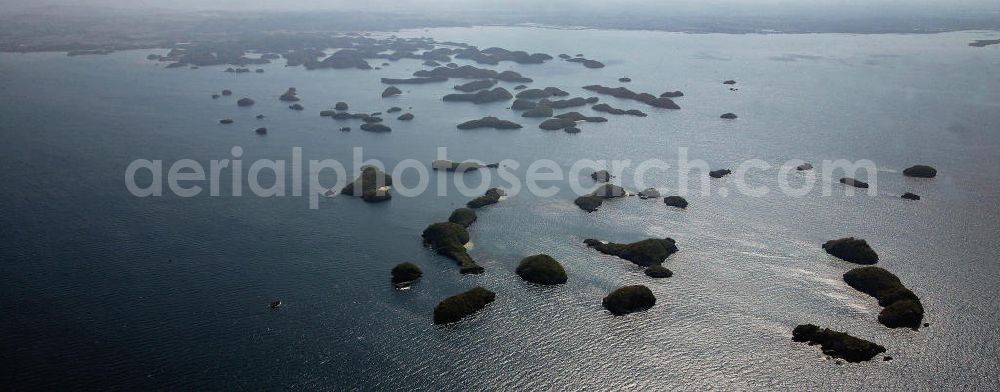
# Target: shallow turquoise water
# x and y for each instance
(106, 290)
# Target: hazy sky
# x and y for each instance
(767, 6)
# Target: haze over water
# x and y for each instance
(106, 290)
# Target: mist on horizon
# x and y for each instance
(721, 8)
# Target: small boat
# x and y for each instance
(276, 304)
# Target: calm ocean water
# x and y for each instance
(104, 290)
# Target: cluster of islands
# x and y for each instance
(901, 307)
(554, 109)
(477, 84)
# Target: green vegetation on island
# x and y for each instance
(492, 196)
(372, 185)
(645, 253)
(448, 239)
(901, 307)
(463, 216)
(624, 93)
(629, 299)
(476, 85)
(541, 269)
(481, 96)
(405, 273)
(457, 307)
(489, 122)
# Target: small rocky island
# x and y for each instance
(593, 64)
(854, 250)
(470, 72)
(541, 269)
(979, 43)
(448, 239)
(601, 176)
(457, 307)
(576, 117)
(291, 95)
(372, 185)
(658, 271)
(446, 165)
(901, 307)
(719, 173)
(536, 93)
(555, 124)
(920, 171)
(854, 182)
(644, 253)
(837, 344)
(475, 85)
(480, 97)
(375, 127)
(391, 91)
(492, 196)
(649, 193)
(605, 108)
(591, 202)
(629, 299)
(413, 80)
(624, 93)
(675, 201)
(489, 122)
(404, 274)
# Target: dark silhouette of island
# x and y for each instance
(643, 253)
(837, 344)
(624, 93)
(541, 269)
(457, 307)
(979, 43)
(851, 249)
(371, 186)
(901, 307)
(489, 122)
(404, 274)
(629, 299)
